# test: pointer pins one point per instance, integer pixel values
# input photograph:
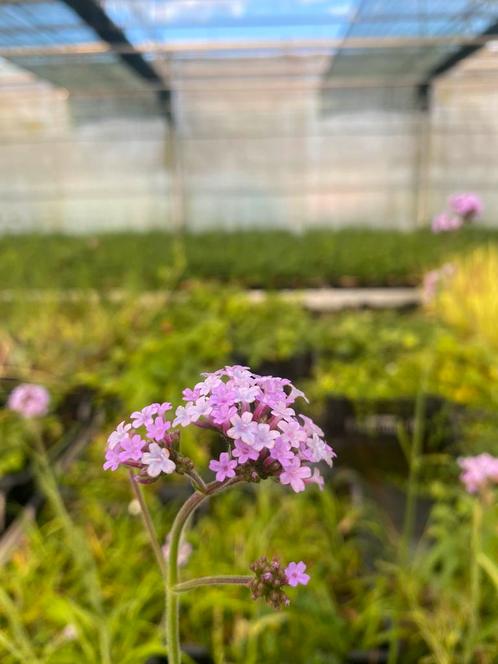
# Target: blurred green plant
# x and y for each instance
(468, 300)
(263, 259)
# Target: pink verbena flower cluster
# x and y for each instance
(467, 206)
(144, 443)
(270, 579)
(478, 472)
(29, 400)
(463, 208)
(444, 222)
(265, 436)
(254, 414)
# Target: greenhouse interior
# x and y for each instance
(251, 246)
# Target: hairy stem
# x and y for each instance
(172, 599)
(221, 580)
(197, 481)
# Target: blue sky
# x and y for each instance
(50, 21)
(231, 19)
(176, 20)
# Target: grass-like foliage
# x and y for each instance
(268, 259)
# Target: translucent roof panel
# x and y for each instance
(440, 26)
(38, 26)
(365, 40)
(40, 23)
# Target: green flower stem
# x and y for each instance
(413, 477)
(172, 599)
(475, 581)
(197, 481)
(169, 570)
(223, 579)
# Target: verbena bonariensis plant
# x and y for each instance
(463, 209)
(264, 437)
(479, 476)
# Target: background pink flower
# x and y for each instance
(469, 206)
(445, 222)
(29, 400)
(478, 471)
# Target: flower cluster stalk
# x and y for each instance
(265, 438)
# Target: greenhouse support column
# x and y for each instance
(421, 166)
(177, 192)
(174, 162)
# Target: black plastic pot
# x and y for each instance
(377, 656)
(365, 434)
(197, 653)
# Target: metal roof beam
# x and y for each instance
(454, 59)
(92, 14)
(200, 46)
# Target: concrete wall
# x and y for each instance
(259, 145)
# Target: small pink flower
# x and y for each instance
(191, 395)
(478, 471)
(183, 416)
(243, 428)
(292, 432)
(157, 460)
(224, 467)
(222, 414)
(296, 394)
(296, 574)
(201, 408)
(163, 408)
(112, 460)
(118, 435)
(295, 474)
(445, 222)
(316, 478)
(282, 452)
(320, 451)
(264, 437)
(283, 412)
(131, 448)
(142, 417)
(244, 452)
(29, 400)
(469, 206)
(247, 393)
(156, 429)
(310, 427)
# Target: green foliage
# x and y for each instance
(85, 577)
(468, 299)
(269, 259)
(384, 355)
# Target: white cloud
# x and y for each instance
(342, 9)
(197, 10)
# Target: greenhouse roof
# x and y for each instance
(84, 45)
